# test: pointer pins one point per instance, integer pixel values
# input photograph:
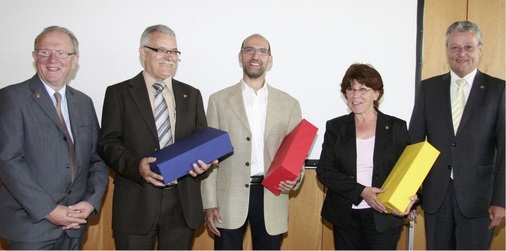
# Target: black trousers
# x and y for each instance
(231, 239)
(449, 229)
(169, 228)
(362, 233)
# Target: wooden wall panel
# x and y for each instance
(438, 15)
(490, 16)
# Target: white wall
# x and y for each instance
(313, 43)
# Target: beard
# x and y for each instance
(253, 74)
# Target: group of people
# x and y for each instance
(54, 157)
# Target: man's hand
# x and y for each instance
(496, 214)
(288, 185)
(209, 215)
(80, 210)
(148, 175)
(61, 216)
(202, 169)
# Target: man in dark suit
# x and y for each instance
(53, 178)
(144, 208)
(463, 194)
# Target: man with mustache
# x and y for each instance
(257, 118)
(145, 210)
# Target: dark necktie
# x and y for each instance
(73, 165)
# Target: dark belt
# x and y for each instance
(256, 179)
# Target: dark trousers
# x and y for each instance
(64, 242)
(449, 229)
(231, 239)
(169, 228)
(362, 233)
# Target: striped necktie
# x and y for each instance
(162, 117)
(458, 104)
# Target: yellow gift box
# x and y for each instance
(407, 175)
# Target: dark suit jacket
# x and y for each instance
(337, 167)
(34, 160)
(476, 152)
(128, 135)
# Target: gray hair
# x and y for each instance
(146, 35)
(464, 26)
(46, 30)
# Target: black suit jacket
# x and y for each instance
(476, 152)
(129, 134)
(337, 167)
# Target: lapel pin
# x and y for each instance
(387, 127)
(37, 95)
(482, 87)
(185, 96)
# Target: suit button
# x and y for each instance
(64, 138)
(454, 144)
(247, 185)
(247, 163)
(67, 165)
(69, 192)
(449, 166)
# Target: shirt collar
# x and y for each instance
(247, 89)
(51, 91)
(150, 81)
(469, 77)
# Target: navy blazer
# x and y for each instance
(128, 135)
(337, 167)
(476, 152)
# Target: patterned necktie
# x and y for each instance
(73, 165)
(458, 104)
(162, 117)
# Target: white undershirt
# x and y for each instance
(365, 164)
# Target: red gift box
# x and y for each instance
(289, 159)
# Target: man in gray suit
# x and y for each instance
(257, 118)
(463, 194)
(53, 178)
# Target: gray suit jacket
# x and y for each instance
(476, 152)
(225, 187)
(34, 160)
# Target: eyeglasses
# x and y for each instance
(260, 51)
(58, 54)
(466, 48)
(361, 90)
(163, 51)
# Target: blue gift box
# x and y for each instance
(175, 161)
